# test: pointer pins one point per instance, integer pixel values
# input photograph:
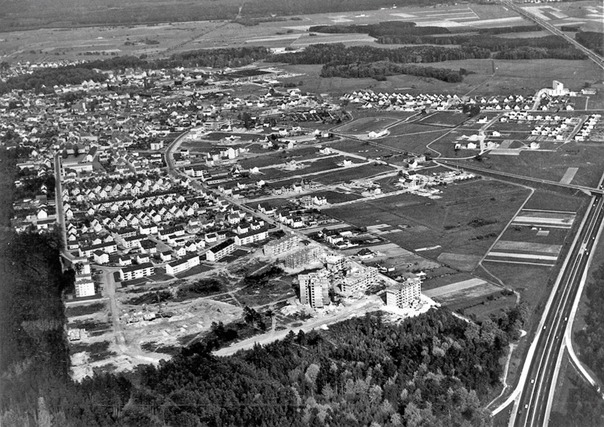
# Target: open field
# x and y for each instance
(467, 289)
(272, 291)
(413, 138)
(545, 200)
(444, 118)
(485, 306)
(273, 158)
(362, 148)
(463, 262)
(336, 196)
(552, 165)
(366, 125)
(350, 173)
(533, 283)
(466, 220)
(389, 255)
(304, 168)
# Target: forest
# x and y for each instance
(367, 61)
(551, 46)
(591, 40)
(339, 54)
(434, 370)
(44, 79)
(396, 32)
(380, 70)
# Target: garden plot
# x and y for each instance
(540, 218)
(535, 237)
(524, 252)
(465, 290)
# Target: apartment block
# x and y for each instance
(314, 289)
(405, 294)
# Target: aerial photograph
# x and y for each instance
(298, 213)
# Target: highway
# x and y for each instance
(533, 404)
(596, 59)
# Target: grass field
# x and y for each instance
(553, 165)
(347, 174)
(546, 200)
(413, 138)
(366, 125)
(336, 197)
(269, 157)
(444, 118)
(363, 148)
(531, 282)
(419, 222)
(319, 165)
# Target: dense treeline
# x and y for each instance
(519, 48)
(527, 52)
(508, 30)
(428, 371)
(33, 353)
(8, 175)
(220, 58)
(367, 61)
(380, 70)
(217, 58)
(338, 54)
(44, 79)
(396, 32)
(592, 40)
